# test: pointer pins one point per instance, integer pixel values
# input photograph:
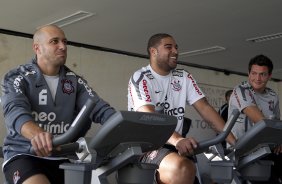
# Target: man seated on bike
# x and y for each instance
(41, 99)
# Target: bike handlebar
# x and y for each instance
(204, 145)
(73, 131)
(79, 121)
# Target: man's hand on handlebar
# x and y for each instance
(42, 144)
(186, 146)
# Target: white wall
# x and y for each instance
(108, 74)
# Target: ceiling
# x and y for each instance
(126, 25)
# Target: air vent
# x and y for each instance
(265, 38)
(78, 16)
(203, 51)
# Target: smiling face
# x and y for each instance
(164, 56)
(50, 46)
(258, 77)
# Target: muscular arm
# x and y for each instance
(209, 114)
(253, 113)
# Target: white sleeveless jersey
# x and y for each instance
(172, 92)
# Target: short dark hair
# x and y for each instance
(155, 40)
(261, 60)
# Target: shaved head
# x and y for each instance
(37, 37)
(50, 48)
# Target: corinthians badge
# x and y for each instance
(67, 86)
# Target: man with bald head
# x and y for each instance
(41, 99)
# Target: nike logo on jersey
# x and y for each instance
(39, 85)
(158, 92)
(30, 73)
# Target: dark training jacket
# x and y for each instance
(27, 97)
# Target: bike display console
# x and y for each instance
(118, 144)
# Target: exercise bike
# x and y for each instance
(244, 161)
(118, 146)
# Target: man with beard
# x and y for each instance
(160, 84)
(40, 100)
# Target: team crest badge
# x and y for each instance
(153, 154)
(67, 86)
(16, 177)
(271, 105)
(175, 85)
